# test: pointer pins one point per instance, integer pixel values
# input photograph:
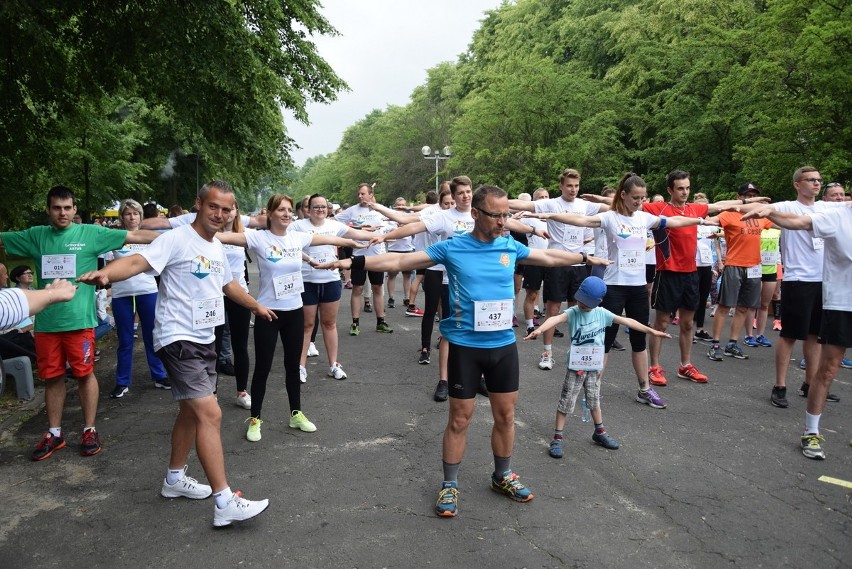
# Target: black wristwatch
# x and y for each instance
(585, 257)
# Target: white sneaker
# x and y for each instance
(336, 371)
(312, 350)
(186, 487)
(303, 374)
(237, 510)
(546, 361)
(243, 400)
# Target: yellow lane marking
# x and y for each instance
(837, 481)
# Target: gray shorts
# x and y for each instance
(191, 368)
(738, 290)
(574, 381)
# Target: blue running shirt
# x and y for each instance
(480, 274)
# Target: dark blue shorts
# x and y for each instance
(321, 293)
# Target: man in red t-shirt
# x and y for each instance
(676, 280)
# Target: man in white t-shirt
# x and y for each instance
(801, 289)
(362, 216)
(194, 273)
(561, 283)
(834, 227)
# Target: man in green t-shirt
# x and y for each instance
(65, 332)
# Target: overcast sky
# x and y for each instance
(383, 51)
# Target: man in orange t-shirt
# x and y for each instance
(740, 279)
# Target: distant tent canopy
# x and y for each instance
(113, 209)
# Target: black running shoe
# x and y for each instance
(779, 397)
(119, 391)
(442, 391)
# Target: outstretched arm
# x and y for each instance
(141, 236)
(335, 240)
(156, 223)
(570, 218)
(232, 238)
(636, 325)
(557, 258)
(680, 221)
(781, 219)
(747, 204)
(394, 215)
(388, 262)
(119, 270)
(551, 322)
(521, 205)
(59, 290)
(399, 233)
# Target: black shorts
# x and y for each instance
(466, 366)
(344, 252)
(533, 277)
(360, 277)
(420, 271)
(836, 328)
(673, 291)
(769, 277)
(801, 309)
(561, 283)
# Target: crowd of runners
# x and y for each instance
(586, 262)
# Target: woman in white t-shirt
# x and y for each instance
(626, 228)
(136, 295)
(323, 287)
(279, 257)
(238, 316)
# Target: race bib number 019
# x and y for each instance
(493, 315)
(59, 266)
(208, 313)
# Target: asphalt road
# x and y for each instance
(715, 480)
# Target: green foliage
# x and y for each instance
(731, 91)
(149, 98)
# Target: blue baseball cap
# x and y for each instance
(591, 292)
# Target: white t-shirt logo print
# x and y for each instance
(274, 254)
(200, 266)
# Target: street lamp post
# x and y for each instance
(437, 157)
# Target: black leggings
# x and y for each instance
(633, 300)
(290, 328)
(705, 282)
(239, 318)
(432, 291)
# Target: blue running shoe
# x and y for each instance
(846, 363)
(763, 341)
(510, 485)
(556, 448)
(802, 363)
(605, 440)
(448, 499)
(750, 341)
(734, 351)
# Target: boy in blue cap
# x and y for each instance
(587, 323)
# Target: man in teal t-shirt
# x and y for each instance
(65, 332)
